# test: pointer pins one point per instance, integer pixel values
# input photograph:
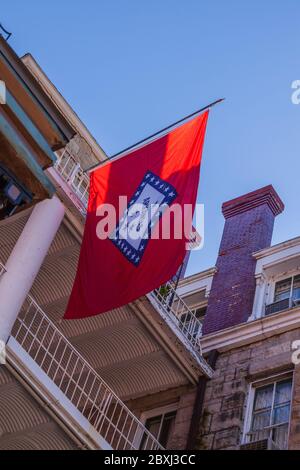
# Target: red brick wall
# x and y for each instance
(248, 228)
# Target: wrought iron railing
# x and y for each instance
(78, 381)
(182, 317)
(71, 171)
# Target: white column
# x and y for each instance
(259, 298)
(26, 259)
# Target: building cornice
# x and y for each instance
(63, 106)
(31, 97)
(277, 248)
(266, 195)
(197, 277)
(252, 331)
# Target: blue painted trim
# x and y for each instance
(25, 154)
(60, 135)
(29, 126)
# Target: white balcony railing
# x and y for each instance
(183, 321)
(78, 381)
(179, 313)
(71, 171)
(2, 269)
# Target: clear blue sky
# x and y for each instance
(130, 67)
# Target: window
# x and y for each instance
(12, 194)
(286, 295)
(161, 426)
(200, 313)
(270, 412)
(288, 288)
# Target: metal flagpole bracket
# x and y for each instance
(8, 34)
(123, 152)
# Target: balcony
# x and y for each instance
(75, 178)
(183, 321)
(175, 309)
(282, 305)
(70, 381)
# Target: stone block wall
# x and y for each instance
(82, 152)
(294, 437)
(224, 409)
(183, 398)
(178, 439)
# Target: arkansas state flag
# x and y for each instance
(133, 240)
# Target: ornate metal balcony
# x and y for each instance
(80, 384)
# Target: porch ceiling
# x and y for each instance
(24, 424)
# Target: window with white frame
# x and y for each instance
(287, 289)
(269, 411)
(161, 424)
(286, 295)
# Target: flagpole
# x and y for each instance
(123, 152)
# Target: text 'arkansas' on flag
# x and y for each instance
(127, 250)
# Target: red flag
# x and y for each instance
(136, 258)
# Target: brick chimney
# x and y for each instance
(249, 222)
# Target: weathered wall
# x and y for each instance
(221, 426)
(82, 152)
(294, 437)
(183, 398)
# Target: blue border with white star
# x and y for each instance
(133, 255)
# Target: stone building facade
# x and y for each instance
(225, 405)
(252, 321)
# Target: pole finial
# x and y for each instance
(8, 34)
